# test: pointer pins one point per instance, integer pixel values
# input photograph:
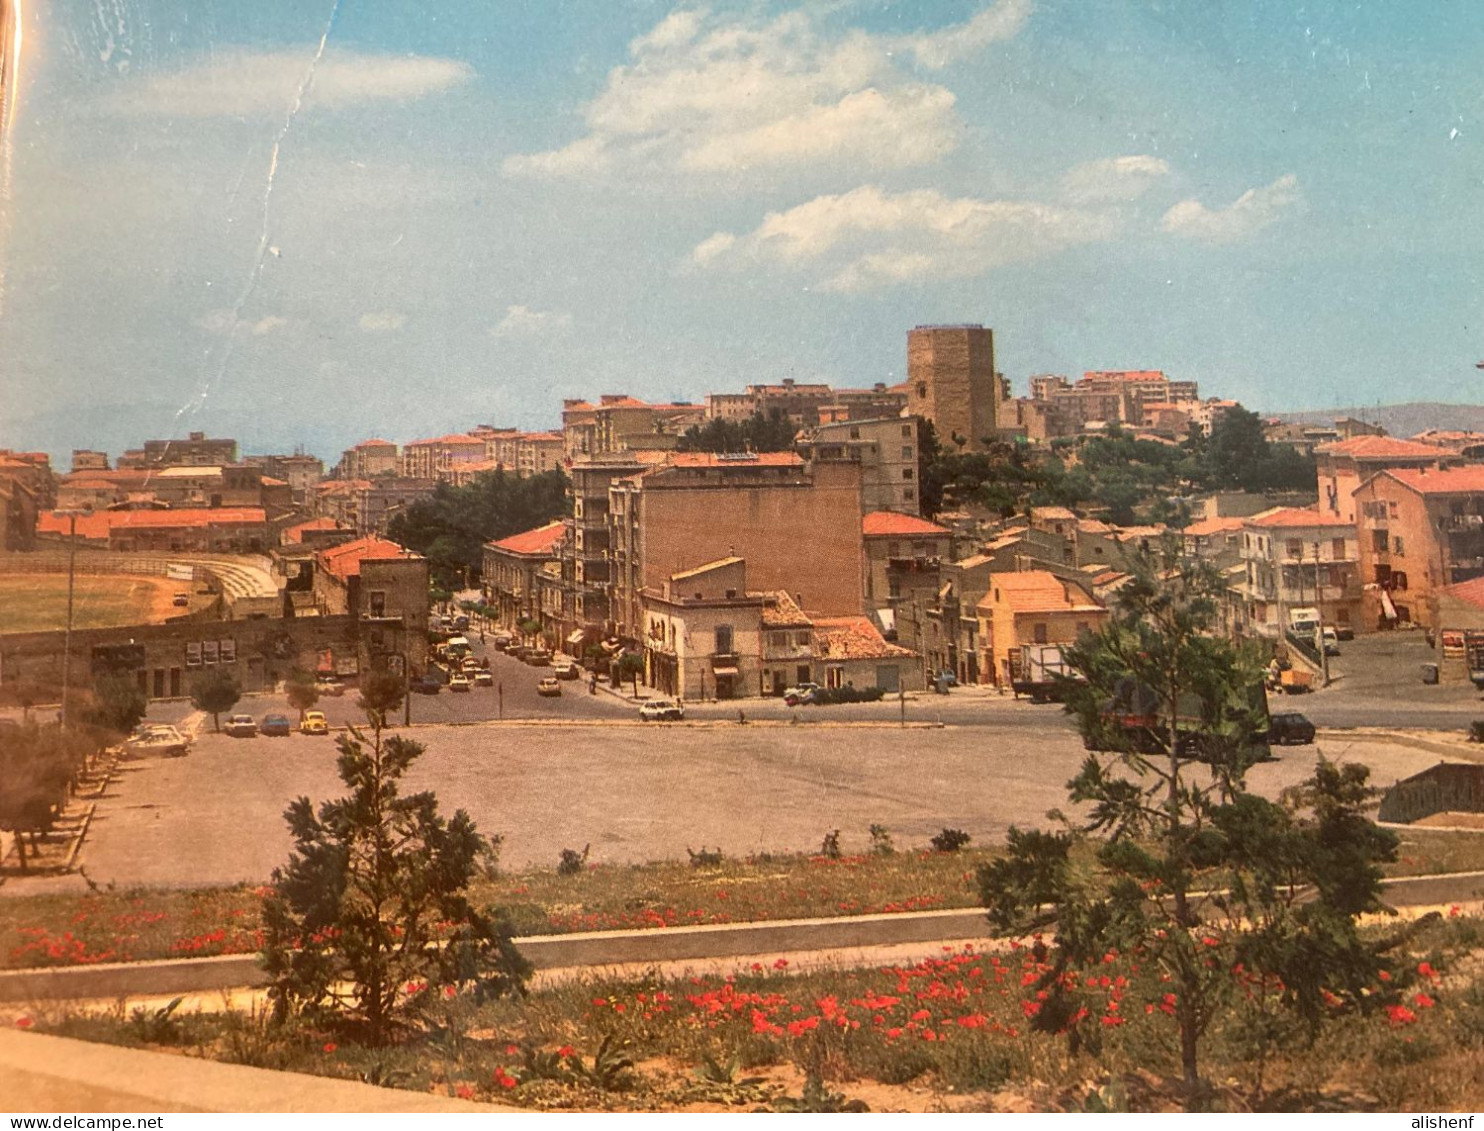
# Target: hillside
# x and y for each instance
(1401, 419)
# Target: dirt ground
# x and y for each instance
(37, 602)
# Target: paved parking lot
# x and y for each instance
(634, 792)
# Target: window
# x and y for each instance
(193, 655)
(1379, 541)
(208, 652)
(906, 431)
(855, 433)
(1399, 546)
(780, 639)
(907, 453)
(723, 638)
(908, 494)
(1038, 632)
(908, 473)
(803, 672)
(1337, 549)
(1295, 548)
(378, 603)
(922, 388)
(228, 651)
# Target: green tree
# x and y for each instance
(117, 704)
(301, 690)
(370, 916)
(631, 666)
(1195, 874)
(757, 433)
(215, 692)
(1238, 456)
(37, 766)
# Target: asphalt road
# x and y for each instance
(1377, 682)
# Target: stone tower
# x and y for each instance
(951, 381)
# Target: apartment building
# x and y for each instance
(1421, 530)
(1343, 465)
(369, 459)
(384, 586)
(1298, 558)
(511, 566)
(887, 450)
(864, 404)
(621, 423)
(195, 450)
(798, 527)
(890, 539)
(367, 505)
(436, 458)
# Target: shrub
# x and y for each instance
(830, 849)
(369, 916)
(950, 840)
(826, 696)
(572, 861)
(705, 858)
(881, 843)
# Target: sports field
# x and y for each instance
(37, 602)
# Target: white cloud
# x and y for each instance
(721, 95)
(224, 322)
(1251, 212)
(868, 238)
(254, 83)
(1113, 179)
(381, 321)
(954, 44)
(523, 322)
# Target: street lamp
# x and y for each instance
(72, 516)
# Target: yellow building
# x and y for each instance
(1033, 607)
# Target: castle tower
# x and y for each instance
(951, 381)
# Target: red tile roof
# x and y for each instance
(879, 523)
(1467, 480)
(188, 517)
(296, 532)
(1280, 517)
(345, 561)
(853, 638)
(541, 541)
(782, 611)
(1470, 592)
(453, 439)
(1209, 526)
(94, 527)
(1381, 447)
(373, 444)
(1034, 591)
(756, 459)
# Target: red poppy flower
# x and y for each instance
(331, 1046)
(1400, 1015)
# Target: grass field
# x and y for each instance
(37, 602)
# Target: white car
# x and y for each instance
(459, 682)
(158, 738)
(241, 726)
(662, 710)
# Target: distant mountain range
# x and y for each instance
(1401, 419)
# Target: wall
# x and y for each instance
(951, 382)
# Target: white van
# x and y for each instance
(457, 647)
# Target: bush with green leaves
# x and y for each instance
(950, 840)
(369, 917)
(572, 862)
(215, 692)
(1233, 898)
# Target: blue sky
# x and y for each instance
(480, 209)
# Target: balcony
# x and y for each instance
(1461, 523)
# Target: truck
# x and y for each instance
(1132, 720)
(1040, 671)
(1303, 620)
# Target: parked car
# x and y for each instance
(459, 682)
(501, 642)
(314, 723)
(471, 665)
(484, 678)
(1331, 642)
(427, 685)
(548, 686)
(181, 600)
(566, 669)
(800, 693)
(157, 738)
(661, 710)
(1347, 632)
(276, 726)
(538, 657)
(461, 622)
(329, 685)
(1290, 729)
(241, 726)
(946, 678)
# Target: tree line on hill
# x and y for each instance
(1115, 472)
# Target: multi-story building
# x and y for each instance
(536, 453)
(864, 404)
(385, 588)
(301, 472)
(438, 457)
(194, 450)
(367, 505)
(951, 382)
(85, 459)
(888, 452)
(800, 404)
(1344, 465)
(216, 530)
(18, 514)
(1421, 530)
(798, 527)
(621, 423)
(510, 572)
(1297, 558)
(369, 459)
(1033, 607)
(891, 538)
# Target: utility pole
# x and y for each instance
(1319, 605)
(71, 581)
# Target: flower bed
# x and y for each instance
(960, 1022)
(137, 925)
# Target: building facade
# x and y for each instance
(1297, 558)
(888, 451)
(951, 382)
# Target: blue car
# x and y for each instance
(276, 726)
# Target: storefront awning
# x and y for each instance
(1386, 606)
(576, 637)
(723, 671)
